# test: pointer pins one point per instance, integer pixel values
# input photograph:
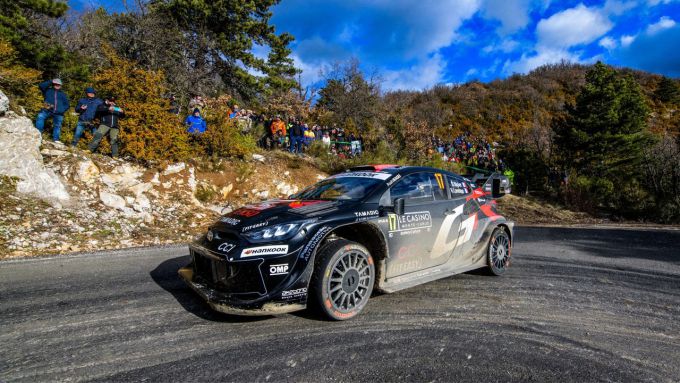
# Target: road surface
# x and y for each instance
(577, 305)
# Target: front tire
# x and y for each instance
(498, 252)
(343, 279)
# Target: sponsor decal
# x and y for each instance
(210, 235)
(255, 226)
(440, 180)
(281, 269)
(441, 246)
(382, 220)
(376, 175)
(405, 251)
(406, 266)
(244, 212)
(311, 245)
(297, 293)
(230, 220)
(393, 180)
(264, 250)
(409, 221)
(226, 247)
(367, 213)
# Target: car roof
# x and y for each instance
(401, 169)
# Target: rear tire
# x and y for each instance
(498, 252)
(343, 279)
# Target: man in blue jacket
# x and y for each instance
(87, 108)
(56, 104)
(195, 123)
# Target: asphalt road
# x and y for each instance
(577, 305)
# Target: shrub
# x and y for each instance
(18, 81)
(223, 137)
(148, 131)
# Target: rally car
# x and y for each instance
(381, 227)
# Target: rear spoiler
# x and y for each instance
(494, 184)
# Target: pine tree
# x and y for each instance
(605, 132)
(231, 28)
(19, 27)
(668, 91)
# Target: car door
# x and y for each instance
(466, 207)
(411, 235)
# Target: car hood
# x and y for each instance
(275, 212)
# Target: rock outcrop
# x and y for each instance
(20, 157)
(4, 104)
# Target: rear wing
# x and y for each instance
(492, 183)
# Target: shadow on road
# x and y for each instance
(165, 275)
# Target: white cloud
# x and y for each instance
(471, 72)
(513, 14)
(626, 40)
(657, 2)
(607, 43)
(664, 23)
(546, 56)
(617, 7)
(423, 74)
(506, 46)
(571, 27)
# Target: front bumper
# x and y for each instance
(218, 303)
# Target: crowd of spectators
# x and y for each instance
(469, 150)
(297, 136)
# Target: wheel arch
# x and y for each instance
(366, 234)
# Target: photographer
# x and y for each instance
(86, 108)
(55, 105)
(108, 114)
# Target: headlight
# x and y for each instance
(274, 233)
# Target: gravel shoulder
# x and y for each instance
(577, 305)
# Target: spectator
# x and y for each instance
(86, 108)
(196, 102)
(296, 136)
(174, 105)
(278, 126)
(235, 112)
(109, 115)
(326, 139)
(55, 105)
(195, 123)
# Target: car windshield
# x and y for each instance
(342, 188)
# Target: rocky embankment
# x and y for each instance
(59, 200)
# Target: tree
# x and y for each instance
(605, 132)
(226, 33)
(21, 25)
(668, 91)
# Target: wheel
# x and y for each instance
(498, 253)
(343, 279)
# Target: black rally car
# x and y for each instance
(385, 227)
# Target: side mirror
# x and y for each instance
(399, 206)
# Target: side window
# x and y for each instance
(458, 188)
(418, 188)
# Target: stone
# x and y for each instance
(226, 190)
(192, 179)
(87, 172)
(4, 103)
(129, 200)
(263, 194)
(174, 168)
(140, 188)
(122, 176)
(112, 200)
(155, 180)
(258, 157)
(141, 203)
(20, 157)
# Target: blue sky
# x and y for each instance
(417, 44)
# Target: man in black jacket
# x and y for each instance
(109, 114)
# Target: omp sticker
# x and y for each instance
(278, 269)
(264, 250)
(377, 175)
